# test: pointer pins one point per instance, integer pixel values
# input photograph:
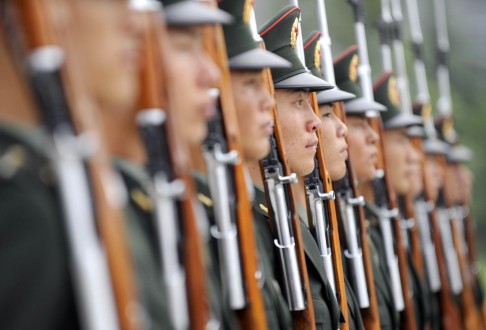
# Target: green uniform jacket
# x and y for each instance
(355, 321)
(144, 247)
(389, 317)
(36, 291)
(326, 308)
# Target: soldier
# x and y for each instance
(252, 103)
(194, 74)
(334, 133)
(402, 163)
(362, 140)
(37, 290)
(298, 124)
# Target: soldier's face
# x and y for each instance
(465, 182)
(335, 146)
(362, 140)
(433, 176)
(192, 73)
(108, 34)
(401, 159)
(417, 183)
(298, 124)
(253, 103)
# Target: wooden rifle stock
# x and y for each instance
(333, 224)
(41, 29)
(407, 319)
(470, 317)
(471, 252)
(156, 93)
(450, 316)
(305, 319)
(370, 315)
(253, 315)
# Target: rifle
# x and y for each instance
(285, 225)
(470, 317)
(348, 204)
(101, 265)
(474, 265)
(321, 209)
(450, 315)
(167, 166)
(385, 198)
(322, 217)
(233, 210)
(444, 107)
(422, 97)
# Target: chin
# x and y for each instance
(195, 137)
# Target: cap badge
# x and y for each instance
(448, 131)
(353, 68)
(247, 10)
(393, 95)
(317, 55)
(294, 33)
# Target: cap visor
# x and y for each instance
(333, 95)
(305, 81)
(435, 147)
(257, 58)
(361, 105)
(193, 13)
(416, 131)
(403, 120)
(459, 154)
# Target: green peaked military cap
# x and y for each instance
(459, 153)
(346, 74)
(243, 51)
(430, 143)
(312, 51)
(445, 129)
(192, 12)
(386, 93)
(280, 35)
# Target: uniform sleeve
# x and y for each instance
(35, 285)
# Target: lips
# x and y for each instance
(312, 144)
(267, 128)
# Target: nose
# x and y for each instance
(372, 136)
(268, 101)
(209, 73)
(134, 24)
(413, 154)
(313, 123)
(342, 129)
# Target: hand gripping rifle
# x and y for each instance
(101, 266)
(228, 184)
(385, 198)
(180, 250)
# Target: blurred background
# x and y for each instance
(467, 34)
